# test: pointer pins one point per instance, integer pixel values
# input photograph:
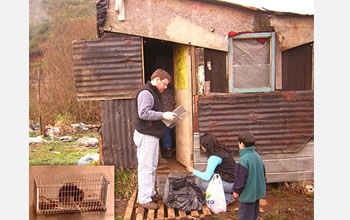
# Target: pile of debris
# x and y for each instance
(60, 128)
(59, 132)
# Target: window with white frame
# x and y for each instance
(252, 62)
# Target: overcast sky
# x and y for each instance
(296, 6)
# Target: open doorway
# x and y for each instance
(159, 54)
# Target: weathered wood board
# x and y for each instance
(279, 167)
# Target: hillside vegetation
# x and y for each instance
(43, 12)
(53, 25)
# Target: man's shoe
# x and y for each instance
(156, 198)
(150, 205)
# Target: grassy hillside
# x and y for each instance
(53, 25)
(43, 13)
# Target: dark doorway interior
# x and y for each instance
(215, 70)
(159, 54)
(297, 68)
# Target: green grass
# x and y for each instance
(270, 216)
(278, 192)
(33, 134)
(77, 136)
(69, 152)
(125, 182)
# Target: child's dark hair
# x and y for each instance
(246, 138)
(211, 144)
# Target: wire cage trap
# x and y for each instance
(69, 193)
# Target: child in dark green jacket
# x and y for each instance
(250, 178)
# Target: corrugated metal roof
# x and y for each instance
(107, 68)
(280, 121)
(117, 118)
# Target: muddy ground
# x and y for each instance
(281, 203)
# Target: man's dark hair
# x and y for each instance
(162, 74)
(247, 138)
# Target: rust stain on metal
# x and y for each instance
(117, 118)
(281, 121)
(289, 96)
(107, 68)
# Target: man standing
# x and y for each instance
(149, 128)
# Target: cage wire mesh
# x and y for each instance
(68, 193)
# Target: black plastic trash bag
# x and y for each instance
(183, 193)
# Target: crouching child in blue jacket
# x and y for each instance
(250, 178)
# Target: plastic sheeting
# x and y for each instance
(183, 193)
(101, 6)
(251, 63)
(251, 76)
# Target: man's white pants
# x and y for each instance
(147, 161)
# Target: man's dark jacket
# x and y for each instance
(154, 128)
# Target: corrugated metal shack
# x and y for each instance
(234, 68)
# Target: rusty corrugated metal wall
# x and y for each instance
(107, 68)
(117, 118)
(280, 121)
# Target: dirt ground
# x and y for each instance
(280, 203)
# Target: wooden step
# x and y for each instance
(136, 212)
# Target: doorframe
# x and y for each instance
(183, 95)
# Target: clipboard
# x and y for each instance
(180, 112)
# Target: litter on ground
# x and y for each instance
(88, 159)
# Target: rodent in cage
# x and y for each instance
(70, 193)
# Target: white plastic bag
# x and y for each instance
(215, 196)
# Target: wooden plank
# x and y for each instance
(139, 212)
(199, 157)
(160, 214)
(307, 151)
(200, 72)
(100, 147)
(200, 166)
(150, 215)
(193, 70)
(183, 96)
(278, 67)
(195, 213)
(206, 211)
(162, 167)
(195, 114)
(182, 214)
(289, 176)
(130, 206)
(282, 167)
(171, 213)
(287, 165)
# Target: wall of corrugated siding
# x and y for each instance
(280, 121)
(117, 118)
(108, 67)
